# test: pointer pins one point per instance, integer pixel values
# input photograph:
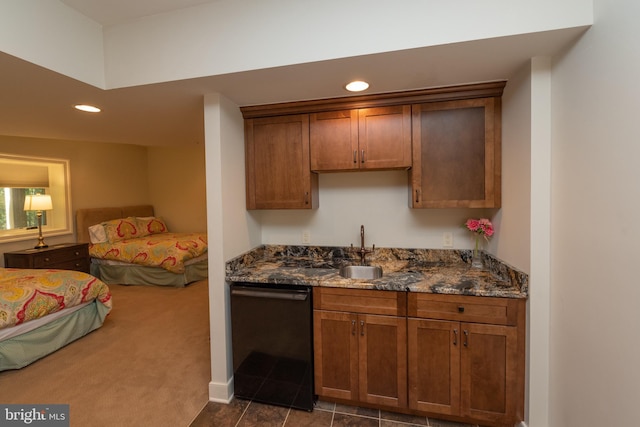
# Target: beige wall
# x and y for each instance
(177, 186)
(119, 175)
(595, 297)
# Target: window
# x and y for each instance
(22, 176)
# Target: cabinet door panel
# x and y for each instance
(385, 137)
(434, 366)
(456, 154)
(277, 157)
(383, 356)
(333, 140)
(488, 371)
(336, 354)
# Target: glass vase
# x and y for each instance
(476, 257)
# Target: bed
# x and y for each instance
(131, 246)
(41, 311)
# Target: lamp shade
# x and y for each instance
(38, 202)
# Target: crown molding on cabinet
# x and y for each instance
(435, 94)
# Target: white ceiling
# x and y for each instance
(36, 102)
(118, 11)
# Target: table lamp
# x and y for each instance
(38, 203)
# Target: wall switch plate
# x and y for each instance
(306, 236)
(447, 239)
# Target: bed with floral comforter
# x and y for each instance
(139, 249)
(44, 310)
(166, 250)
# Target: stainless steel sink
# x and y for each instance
(361, 271)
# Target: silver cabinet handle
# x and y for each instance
(455, 337)
(355, 156)
(362, 156)
(362, 328)
(353, 327)
(466, 338)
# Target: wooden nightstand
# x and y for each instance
(66, 256)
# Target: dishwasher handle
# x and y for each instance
(294, 294)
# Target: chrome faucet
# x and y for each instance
(363, 251)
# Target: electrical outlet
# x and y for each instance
(306, 236)
(447, 239)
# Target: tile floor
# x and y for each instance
(242, 413)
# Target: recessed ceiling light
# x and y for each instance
(87, 108)
(357, 86)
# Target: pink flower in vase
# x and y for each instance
(480, 227)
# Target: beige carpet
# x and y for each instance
(148, 365)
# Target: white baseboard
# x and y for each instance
(221, 392)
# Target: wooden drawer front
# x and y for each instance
(78, 265)
(499, 311)
(360, 301)
(51, 258)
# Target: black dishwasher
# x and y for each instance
(272, 338)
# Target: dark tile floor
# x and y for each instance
(242, 413)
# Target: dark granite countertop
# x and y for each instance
(438, 271)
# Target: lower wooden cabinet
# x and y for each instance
(461, 357)
(359, 356)
(463, 369)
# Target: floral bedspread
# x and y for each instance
(167, 250)
(27, 294)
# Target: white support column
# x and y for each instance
(540, 277)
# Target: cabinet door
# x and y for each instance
(333, 140)
(489, 372)
(277, 163)
(335, 347)
(434, 366)
(383, 360)
(369, 138)
(384, 136)
(456, 154)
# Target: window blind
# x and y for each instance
(23, 176)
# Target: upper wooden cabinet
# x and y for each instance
(366, 138)
(457, 154)
(449, 137)
(277, 163)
